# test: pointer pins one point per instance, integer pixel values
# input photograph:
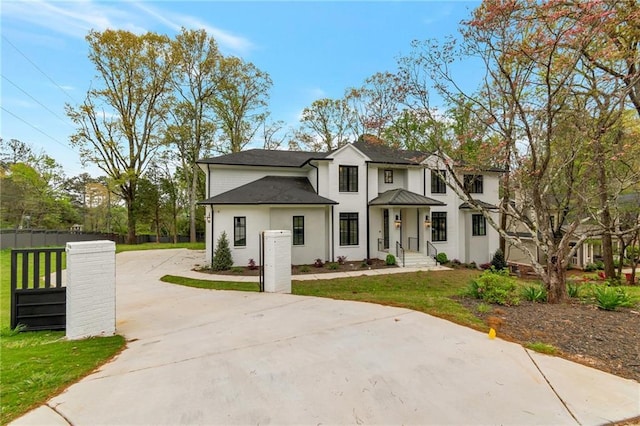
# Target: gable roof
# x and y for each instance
(265, 157)
(402, 197)
(378, 152)
(272, 190)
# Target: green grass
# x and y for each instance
(156, 246)
(35, 366)
(429, 292)
(211, 285)
(542, 348)
(38, 365)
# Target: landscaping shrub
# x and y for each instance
(485, 266)
(304, 268)
(252, 265)
(610, 298)
(573, 290)
(222, 260)
(494, 287)
(318, 263)
(441, 258)
(590, 267)
(333, 266)
(390, 260)
(342, 259)
(498, 260)
(535, 293)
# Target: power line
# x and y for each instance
(37, 129)
(37, 101)
(39, 69)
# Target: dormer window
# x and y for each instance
(348, 178)
(473, 184)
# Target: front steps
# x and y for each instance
(414, 259)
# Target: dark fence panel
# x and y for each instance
(38, 297)
(25, 238)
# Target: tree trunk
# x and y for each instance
(607, 243)
(131, 222)
(555, 282)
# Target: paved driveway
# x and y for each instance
(221, 357)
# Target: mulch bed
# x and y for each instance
(350, 266)
(606, 340)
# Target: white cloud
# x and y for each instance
(76, 18)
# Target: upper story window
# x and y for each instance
(473, 184)
(438, 185)
(348, 179)
(439, 226)
(388, 176)
(239, 231)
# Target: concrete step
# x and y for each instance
(413, 260)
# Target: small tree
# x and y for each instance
(222, 259)
(498, 261)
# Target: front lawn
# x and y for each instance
(37, 365)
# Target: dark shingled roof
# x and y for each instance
(380, 153)
(402, 197)
(265, 157)
(272, 190)
(467, 206)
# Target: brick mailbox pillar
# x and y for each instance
(277, 261)
(91, 289)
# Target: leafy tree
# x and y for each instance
(523, 99)
(326, 124)
(196, 81)
(240, 103)
(120, 122)
(222, 259)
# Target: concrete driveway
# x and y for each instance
(221, 357)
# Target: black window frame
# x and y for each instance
(350, 221)
(438, 226)
(478, 225)
(474, 184)
(438, 184)
(347, 178)
(297, 233)
(239, 231)
(388, 175)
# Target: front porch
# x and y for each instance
(400, 224)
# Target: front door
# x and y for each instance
(385, 229)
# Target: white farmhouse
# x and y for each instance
(363, 200)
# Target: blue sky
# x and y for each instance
(310, 49)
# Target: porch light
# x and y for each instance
(397, 222)
(427, 222)
(209, 217)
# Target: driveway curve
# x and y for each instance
(222, 357)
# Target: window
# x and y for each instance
(348, 229)
(298, 230)
(473, 184)
(388, 176)
(239, 231)
(439, 226)
(478, 225)
(348, 178)
(437, 182)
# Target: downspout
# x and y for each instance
(424, 181)
(332, 235)
(367, 204)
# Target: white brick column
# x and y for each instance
(91, 289)
(277, 261)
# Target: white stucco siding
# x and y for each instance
(224, 179)
(315, 229)
(257, 220)
(399, 179)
